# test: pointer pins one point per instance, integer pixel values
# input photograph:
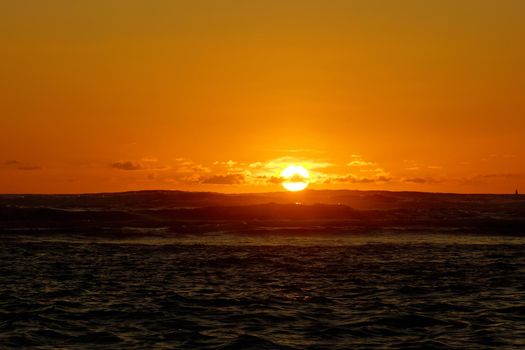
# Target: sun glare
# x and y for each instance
(295, 178)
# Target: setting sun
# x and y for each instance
(295, 178)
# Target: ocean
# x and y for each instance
(366, 291)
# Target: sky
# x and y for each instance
(208, 95)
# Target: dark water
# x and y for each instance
(271, 293)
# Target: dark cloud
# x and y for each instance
(271, 179)
(420, 180)
(367, 180)
(360, 180)
(15, 164)
(150, 164)
(275, 179)
(229, 179)
(127, 165)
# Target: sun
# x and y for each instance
(295, 178)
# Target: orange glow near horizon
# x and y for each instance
(106, 96)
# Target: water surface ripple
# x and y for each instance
(391, 295)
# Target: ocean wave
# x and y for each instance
(134, 296)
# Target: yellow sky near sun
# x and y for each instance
(222, 95)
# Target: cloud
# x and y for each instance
(187, 166)
(379, 179)
(263, 179)
(143, 164)
(358, 180)
(420, 180)
(229, 179)
(263, 172)
(127, 165)
(268, 172)
(15, 164)
(358, 163)
(228, 163)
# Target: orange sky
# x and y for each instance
(107, 95)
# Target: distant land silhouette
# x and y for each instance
(312, 211)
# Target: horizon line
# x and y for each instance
(512, 193)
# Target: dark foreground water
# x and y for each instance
(264, 293)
